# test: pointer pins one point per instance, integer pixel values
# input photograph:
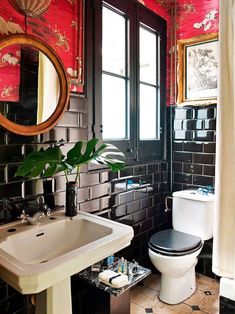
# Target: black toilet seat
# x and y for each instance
(174, 243)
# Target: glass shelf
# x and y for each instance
(92, 278)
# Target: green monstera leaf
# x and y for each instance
(46, 163)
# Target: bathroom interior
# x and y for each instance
(168, 138)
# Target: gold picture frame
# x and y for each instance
(197, 70)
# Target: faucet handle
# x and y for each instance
(24, 216)
(47, 209)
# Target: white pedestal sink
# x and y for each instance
(41, 259)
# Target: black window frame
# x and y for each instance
(136, 150)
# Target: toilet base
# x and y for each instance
(175, 290)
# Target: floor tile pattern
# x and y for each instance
(144, 298)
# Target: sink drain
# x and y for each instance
(43, 262)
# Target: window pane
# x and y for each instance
(148, 114)
(114, 107)
(147, 56)
(114, 47)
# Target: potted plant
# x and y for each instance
(48, 162)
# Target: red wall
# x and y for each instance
(197, 17)
(60, 27)
(193, 18)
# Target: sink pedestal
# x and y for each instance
(55, 300)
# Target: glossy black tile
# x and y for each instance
(203, 158)
(177, 166)
(140, 193)
(83, 120)
(127, 172)
(164, 166)
(192, 147)
(192, 124)
(183, 135)
(147, 202)
(105, 202)
(182, 177)
(178, 146)
(87, 179)
(178, 124)
(99, 190)
(126, 197)
(209, 147)
(192, 168)
(83, 194)
(203, 180)
(90, 206)
(207, 136)
(210, 124)
(119, 211)
(11, 190)
(2, 175)
(133, 207)
(152, 211)
(127, 220)
(139, 216)
(140, 170)
(77, 104)
(152, 168)
(10, 154)
(181, 156)
(77, 134)
(209, 170)
(186, 113)
(204, 113)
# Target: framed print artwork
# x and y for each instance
(198, 70)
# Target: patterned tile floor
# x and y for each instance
(144, 298)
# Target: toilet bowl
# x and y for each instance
(174, 252)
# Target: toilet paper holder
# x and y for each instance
(167, 209)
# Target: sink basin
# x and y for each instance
(34, 258)
(44, 244)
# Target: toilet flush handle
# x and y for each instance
(167, 209)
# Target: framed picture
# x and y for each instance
(198, 70)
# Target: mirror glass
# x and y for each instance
(34, 89)
(29, 85)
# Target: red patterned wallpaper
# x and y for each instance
(61, 27)
(197, 17)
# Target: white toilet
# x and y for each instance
(174, 251)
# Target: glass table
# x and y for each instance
(99, 298)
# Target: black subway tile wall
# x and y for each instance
(193, 146)
(134, 196)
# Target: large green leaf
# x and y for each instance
(44, 162)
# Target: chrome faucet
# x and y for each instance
(33, 221)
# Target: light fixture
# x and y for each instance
(31, 8)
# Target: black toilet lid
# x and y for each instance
(173, 241)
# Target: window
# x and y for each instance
(126, 76)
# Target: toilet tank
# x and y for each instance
(192, 213)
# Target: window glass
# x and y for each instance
(148, 112)
(148, 56)
(113, 45)
(114, 79)
(113, 107)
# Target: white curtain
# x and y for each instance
(224, 227)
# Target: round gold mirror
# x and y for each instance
(34, 90)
